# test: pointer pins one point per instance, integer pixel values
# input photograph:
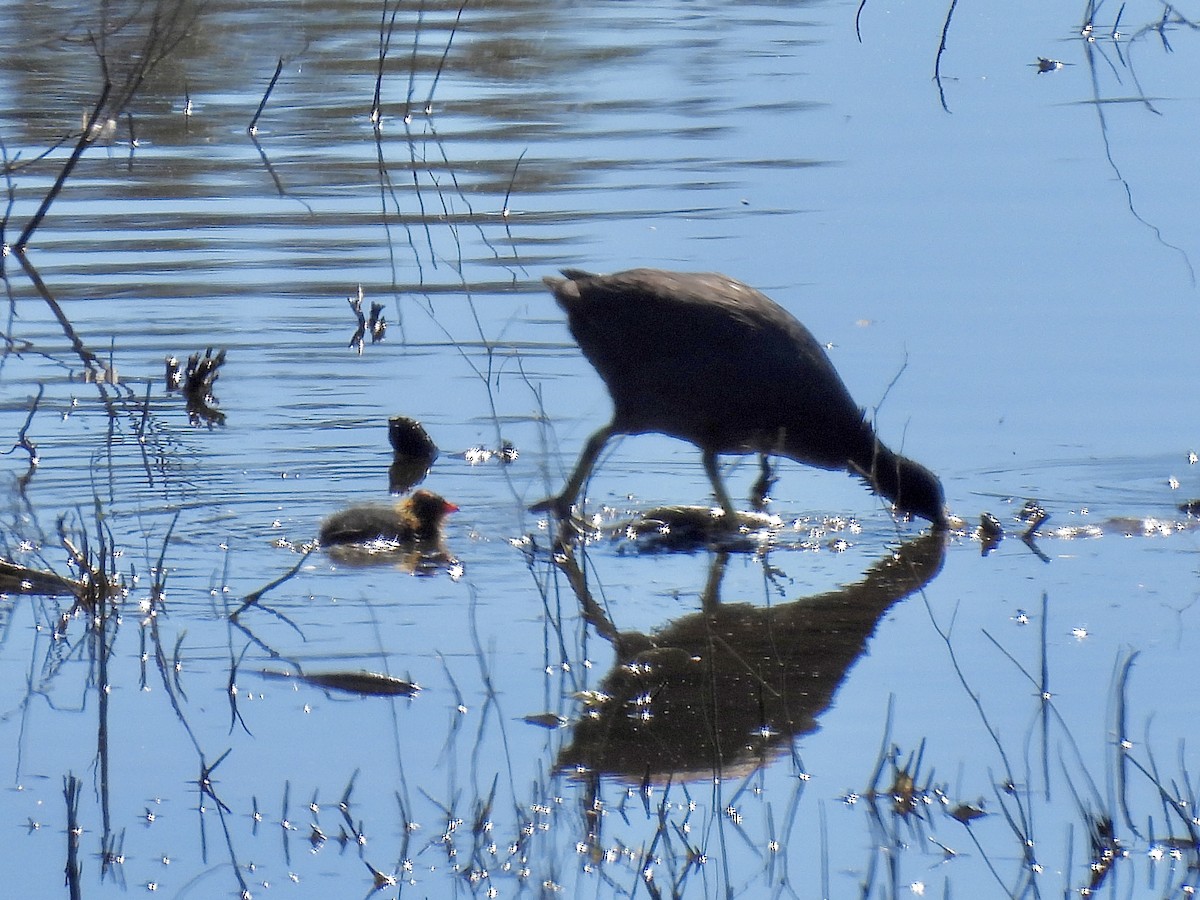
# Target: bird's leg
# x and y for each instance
(560, 506)
(762, 487)
(714, 475)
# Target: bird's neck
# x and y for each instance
(420, 530)
(880, 467)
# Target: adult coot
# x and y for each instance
(414, 523)
(707, 359)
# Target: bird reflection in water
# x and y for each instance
(727, 689)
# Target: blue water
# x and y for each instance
(1002, 271)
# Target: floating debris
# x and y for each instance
(18, 579)
(477, 456)
(367, 684)
(1033, 515)
(196, 383)
(375, 324)
(100, 373)
(967, 813)
(991, 533)
(691, 528)
(546, 720)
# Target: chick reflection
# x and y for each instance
(728, 688)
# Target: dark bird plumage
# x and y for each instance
(707, 359)
(414, 522)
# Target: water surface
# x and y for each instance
(1001, 266)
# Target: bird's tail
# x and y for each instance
(577, 274)
(565, 290)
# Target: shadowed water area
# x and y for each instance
(330, 215)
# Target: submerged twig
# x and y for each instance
(72, 788)
(412, 66)
(19, 579)
(254, 596)
(84, 141)
(386, 29)
(165, 27)
(252, 128)
(504, 211)
(445, 53)
(24, 443)
(937, 62)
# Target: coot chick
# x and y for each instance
(707, 359)
(414, 523)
